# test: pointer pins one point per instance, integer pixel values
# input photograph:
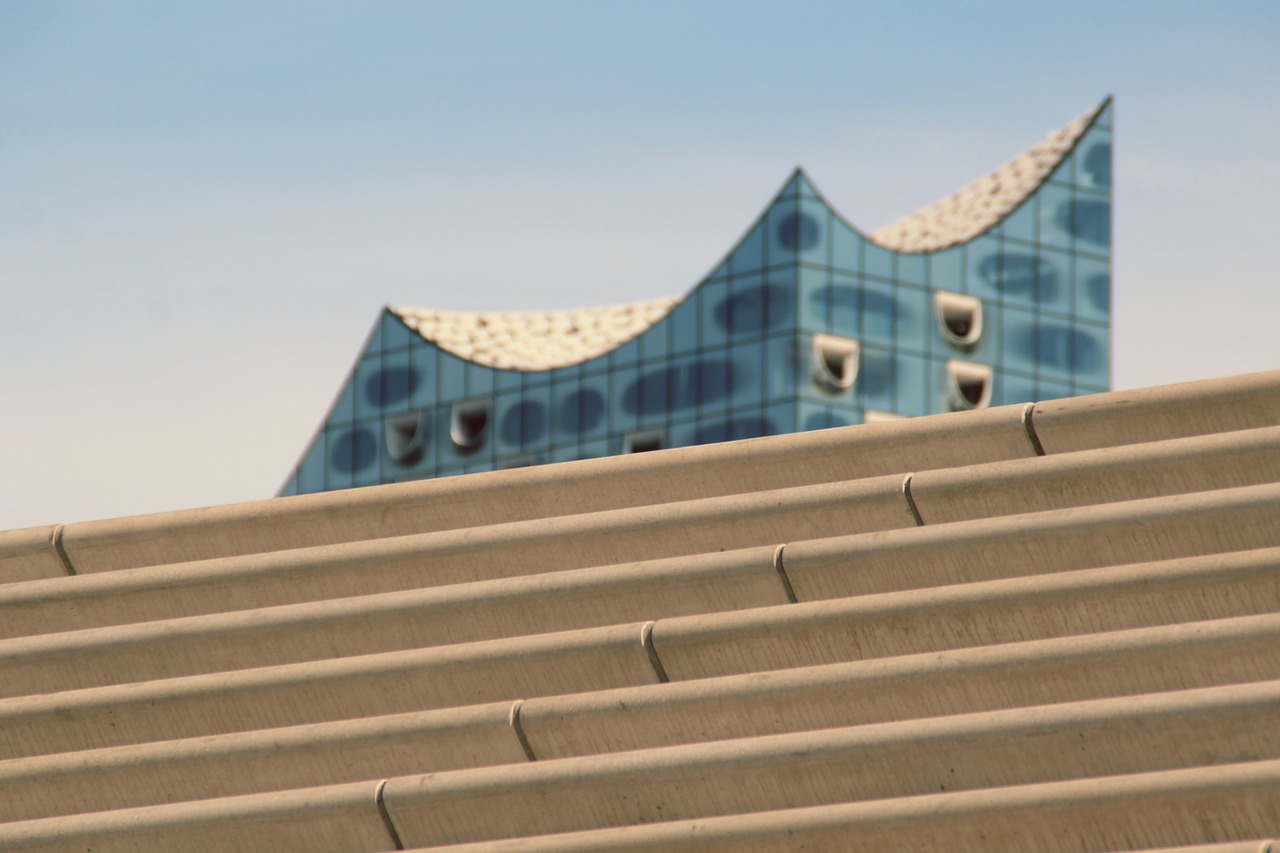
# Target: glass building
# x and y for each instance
(998, 293)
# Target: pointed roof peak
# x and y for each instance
(973, 209)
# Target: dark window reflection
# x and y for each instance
(582, 410)
(875, 372)
(854, 301)
(734, 429)
(1062, 347)
(678, 387)
(1086, 220)
(1097, 165)
(524, 422)
(1015, 274)
(354, 451)
(390, 385)
(824, 420)
(1097, 289)
(799, 231)
(755, 309)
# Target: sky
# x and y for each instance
(205, 205)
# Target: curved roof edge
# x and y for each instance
(534, 341)
(975, 208)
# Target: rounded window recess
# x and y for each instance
(642, 442)
(468, 423)
(959, 318)
(875, 416)
(406, 437)
(968, 384)
(835, 361)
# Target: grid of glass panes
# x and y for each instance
(733, 360)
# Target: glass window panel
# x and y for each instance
(1053, 391)
(395, 333)
(846, 248)
(1021, 224)
(844, 298)
(811, 232)
(911, 387)
(1091, 357)
(290, 487)
(876, 378)
(394, 384)
(479, 380)
(1093, 168)
(373, 344)
(682, 434)
(684, 325)
(877, 307)
(712, 378)
(749, 255)
(581, 410)
(422, 359)
(1058, 347)
(334, 478)
(507, 380)
(623, 392)
(877, 261)
(986, 263)
(912, 269)
(1009, 388)
(714, 308)
(344, 408)
(1020, 347)
(1053, 281)
(1057, 208)
(311, 469)
(368, 387)
(1065, 171)
(593, 449)
(452, 375)
(816, 300)
(625, 355)
(654, 342)
(946, 270)
(1092, 288)
(783, 417)
(913, 319)
(507, 416)
(1107, 115)
(354, 451)
(781, 368)
(747, 376)
(790, 232)
(1020, 275)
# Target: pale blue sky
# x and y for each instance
(205, 204)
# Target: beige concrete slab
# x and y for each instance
(294, 694)
(1154, 414)
(343, 817)
(1057, 540)
(1176, 807)
(457, 556)
(411, 619)
(1177, 466)
(255, 762)
(932, 684)
(971, 752)
(982, 613)
(28, 554)
(549, 490)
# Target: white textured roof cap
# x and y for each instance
(535, 340)
(973, 209)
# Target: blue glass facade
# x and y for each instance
(806, 324)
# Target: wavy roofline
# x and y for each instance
(586, 333)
